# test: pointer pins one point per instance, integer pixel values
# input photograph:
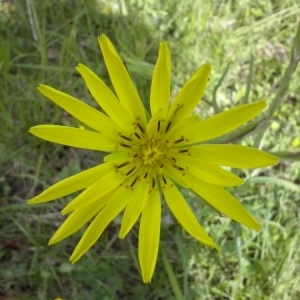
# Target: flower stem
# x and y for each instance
(256, 125)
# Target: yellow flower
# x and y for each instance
(150, 156)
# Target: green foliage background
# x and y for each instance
(249, 45)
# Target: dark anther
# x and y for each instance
(153, 183)
(158, 125)
(179, 141)
(125, 137)
(178, 168)
(183, 151)
(125, 145)
(168, 126)
(146, 174)
(164, 179)
(130, 171)
(136, 134)
(140, 127)
(173, 158)
(133, 182)
(122, 165)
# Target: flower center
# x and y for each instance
(153, 152)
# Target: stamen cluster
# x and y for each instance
(148, 155)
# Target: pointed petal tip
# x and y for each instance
(75, 257)
(147, 280)
(33, 129)
(264, 101)
(35, 200)
(261, 103)
(257, 227)
(163, 46)
(206, 67)
(202, 73)
(240, 182)
(102, 36)
(72, 260)
(80, 66)
(212, 244)
(51, 241)
(103, 39)
(43, 89)
(217, 247)
(274, 160)
(65, 211)
(56, 238)
(122, 234)
(41, 86)
(251, 224)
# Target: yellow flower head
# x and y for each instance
(150, 156)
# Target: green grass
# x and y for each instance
(254, 39)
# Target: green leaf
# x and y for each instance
(287, 155)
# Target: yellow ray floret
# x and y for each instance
(160, 98)
(149, 235)
(81, 111)
(121, 81)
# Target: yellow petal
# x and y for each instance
(161, 80)
(106, 184)
(78, 218)
(135, 205)
(190, 94)
(118, 156)
(185, 216)
(74, 137)
(224, 202)
(235, 156)
(180, 127)
(153, 129)
(176, 175)
(225, 122)
(114, 206)
(149, 235)
(72, 184)
(208, 172)
(78, 109)
(121, 80)
(106, 99)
